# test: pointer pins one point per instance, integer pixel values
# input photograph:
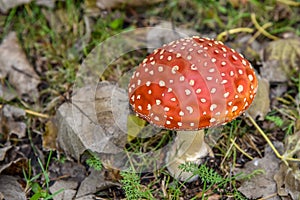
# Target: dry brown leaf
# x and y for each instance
(11, 188)
(281, 60)
(263, 184)
(50, 136)
(96, 120)
(261, 103)
(288, 177)
(16, 67)
(11, 121)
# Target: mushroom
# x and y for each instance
(188, 85)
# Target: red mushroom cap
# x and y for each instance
(192, 83)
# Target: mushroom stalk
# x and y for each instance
(188, 146)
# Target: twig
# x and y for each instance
(31, 112)
(240, 149)
(232, 31)
(260, 29)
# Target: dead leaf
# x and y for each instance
(93, 183)
(104, 4)
(288, 177)
(50, 136)
(69, 189)
(16, 67)
(281, 60)
(164, 33)
(6, 5)
(263, 184)
(11, 121)
(261, 103)
(3, 151)
(96, 120)
(10, 188)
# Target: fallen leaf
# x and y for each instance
(95, 182)
(164, 33)
(104, 4)
(11, 188)
(3, 151)
(261, 103)
(50, 136)
(6, 5)
(67, 189)
(281, 60)
(96, 120)
(288, 177)
(263, 184)
(11, 121)
(16, 67)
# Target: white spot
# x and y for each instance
(156, 118)
(178, 55)
(218, 113)
(138, 96)
(200, 51)
(182, 48)
(161, 57)
(240, 88)
(226, 112)
(230, 103)
(204, 113)
(132, 98)
(168, 122)
(137, 74)
(251, 96)
(181, 78)
(174, 69)
(209, 78)
(234, 57)
(193, 67)
(169, 58)
(212, 120)
(148, 83)
(250, 77)
(246, 104)
(149, 91)
(213, 60)
(187, 92)
(213, 90)
(151, 58)
(192, 124)
(162, 83)
(148, 107)
(133, 85)
(171, 81)
(160, 69)
(189, 57)
(198, 91)
(140, 107)
(244, 62)
(223, 74)
(211, 70)
(224, 82)
(236, 96)
(192, 82)
(205, 64)
(224, 55)
(181, 113)
(139, 82)
(234, 108)
(190, 109)
(216, 51)
(145, 60)
(151, 72)
(191, 49)
(153, 62)
(223, 49)
(158, 102)
(130, 90)
(240, 71)
(169, 89)
(226, 94)
(231, 73)
(223, 63)
(179, 123)
(212, 107)
(173, 99)
(203, 100)
(166, 109)
(162, 51)
(146, 69)
(241, 55)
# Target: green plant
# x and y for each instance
(94, 162)
(132, 186)
(40, 189)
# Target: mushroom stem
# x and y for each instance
(188, 146)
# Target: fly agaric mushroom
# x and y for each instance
(188, 85)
